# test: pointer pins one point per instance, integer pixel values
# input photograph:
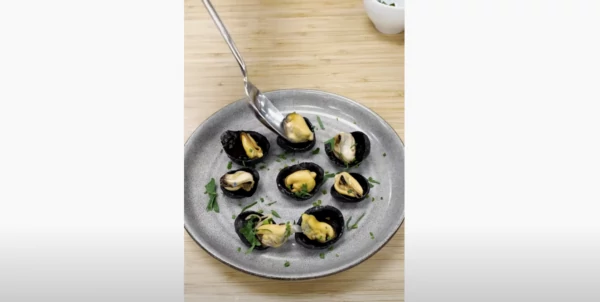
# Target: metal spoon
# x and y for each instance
(264, 110)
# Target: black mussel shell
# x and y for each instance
(302, 166)
(364, 183)
(241, 193)
(239, 222)
(363, 148)
(232, 145)
(329, 215)
(298, 147)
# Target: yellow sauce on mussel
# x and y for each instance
(273, 235)
(298, 179)
(347, 185)
(252, 149)
(316, 230)
(296, 129)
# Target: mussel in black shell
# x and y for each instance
(300, 134)
(350, 187)
(348, 149)
(245, 147)
(259, 231)
(240, 183)
(300, 181)
(321, 227)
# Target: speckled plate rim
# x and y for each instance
(342, 268)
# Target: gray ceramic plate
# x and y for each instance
(215, 233)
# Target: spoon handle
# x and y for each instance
(213, 14)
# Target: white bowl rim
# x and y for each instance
(391, 7)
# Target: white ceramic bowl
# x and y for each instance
(387, 19)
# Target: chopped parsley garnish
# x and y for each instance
(232, 216)
(328, 176)
(288, 230)
(303, 191)
(350, 191)
(275, 214)
(293, 160)
(229, 165)
(371, 185)
(330, 142)
(250, 235)
(316, 151)
(211, 190)
(330, 248)
(282, 156)
(355, 225)
(239, 249)
(373, 181)
(286, 264)
(317, 203)
(262, 199)
(269, 204)
(324, 192)
(322, 255)
(262, 167)
(249, 206)
(372, 199)
(371, 233)
(260, 211)
(320, 123)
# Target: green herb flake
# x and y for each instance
(282, 156)
(350, 191)
(275, 214)
(303, 191)
(355, 225)
(324, 192)
(371, 180)
(286, 264)
(229, 165)
(330, 248)
(261, 211)
(320, 123)
(371, 185)
(211, 190)
(328, 176)
(232, 216)
(262, 167)
(371, 233)
(317, 203)
(262, 199)
(249, 206)
(316, 151)
(293, 160)
(372, 199)
(248, 231)
(384, 154)
(239, 249)
(322, 255)
(269, 204)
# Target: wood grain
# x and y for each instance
(324, 45)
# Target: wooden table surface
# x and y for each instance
(324, 45)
